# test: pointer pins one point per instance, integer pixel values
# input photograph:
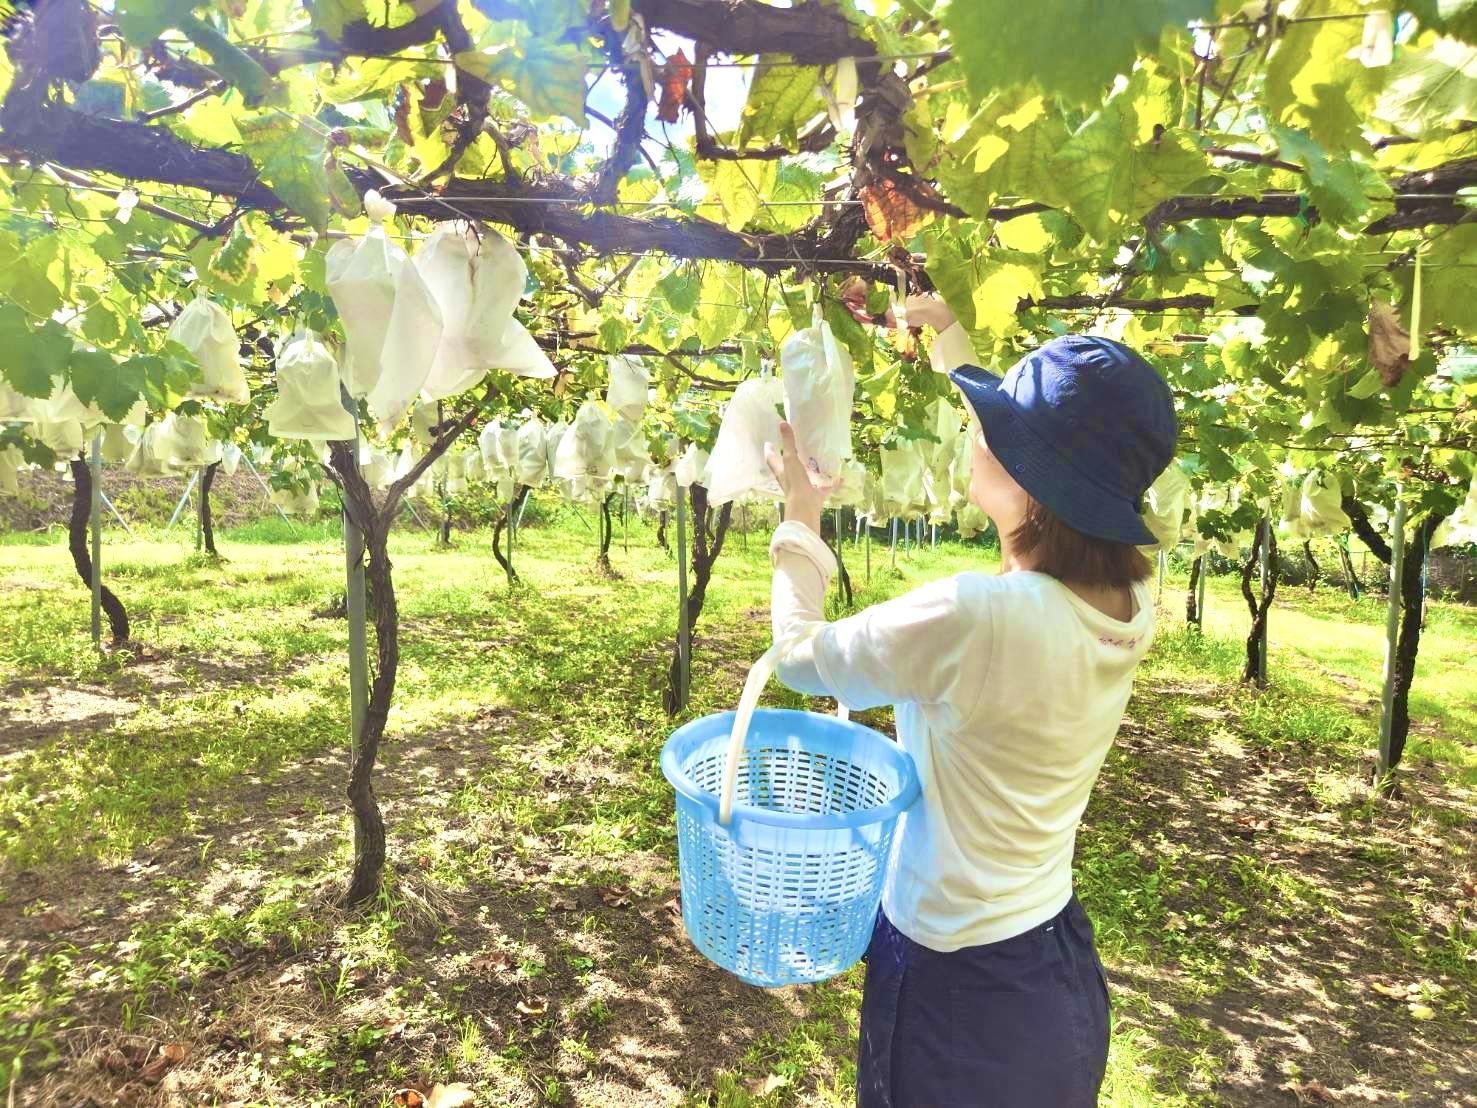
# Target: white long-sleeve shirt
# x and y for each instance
(1008, 691)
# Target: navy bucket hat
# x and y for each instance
(1084, 425)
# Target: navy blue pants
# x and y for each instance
(1022, 1023)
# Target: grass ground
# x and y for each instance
(173, 835)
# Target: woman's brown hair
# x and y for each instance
(1072, 557)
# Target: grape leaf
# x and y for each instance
(1005, 278)
(1106, 174)
(1313, 83)
(1335, 185)
(98, 379)
(547, 75)
(739, 187)
(720, 309)
(291, 161)
(1457, 18)
(782, 99)
(1430, 89)
(1070, 49)
(331, 16)
(27, 374)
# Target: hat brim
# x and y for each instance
(1045, 471)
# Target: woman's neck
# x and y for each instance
(1010, 561)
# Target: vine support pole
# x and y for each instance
(684, 630)
(200, 510)
(180, 507)
(894, 542)
(1392, 633)
(625, 520)
(1263, 569)
(869, 551)
(354, 603)
(268, 490)
(96, 523)
(1163, 557)
(1200, 599)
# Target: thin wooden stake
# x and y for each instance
(354, 602)
(1265, 559)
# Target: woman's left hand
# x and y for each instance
(803, 501)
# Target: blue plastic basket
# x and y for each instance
(787, 891)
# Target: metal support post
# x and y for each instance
(354, 596)
(178, 508)
(97, 540)
(1200, 599)
(268, 490)
(1392, 633)
(684, 631)
(123, 523)
(1266, 559)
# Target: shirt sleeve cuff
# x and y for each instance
(951, 349)
(793, 537)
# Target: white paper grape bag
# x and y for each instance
(204, 329)
(184, 441)
(631, 456)
(692, 467)
(477, 284)
(230, 458)
(819, 386)
(145, 461)
(308, 404)
(902, 479)
(553, 436)
(10, 463)
(1164, 505)
(851, 488)
(533, 462)
(1321, 505)
(750, 421)
(629, 380)
(116, 445)
(1461, 526)
(361, 280)
(588, 448)
(412, 339)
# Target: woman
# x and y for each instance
(983, 986)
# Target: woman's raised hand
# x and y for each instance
(803, 501)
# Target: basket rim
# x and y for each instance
(678, 778)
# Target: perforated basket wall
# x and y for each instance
(788, 891)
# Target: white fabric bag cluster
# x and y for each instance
(902, 479)
(626, 394)
(146, 459)
(230, 458)
(1165, 503)
(297, 502)
(850, 489)
(750, 421)
(116, 445)
(182, 442)
(1320, 503)
(10, 464)
(533, 460)
(391, 319)
(631, 457)
(377, 468)
(553, 436)
(820, 386)
(477, 284)
(588, 447)
(204, 329)
(1461, 526)
(308, 404)
(691, 466)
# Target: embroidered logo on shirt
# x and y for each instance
(1109, 640)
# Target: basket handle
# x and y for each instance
(759, 674)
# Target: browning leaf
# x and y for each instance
(169, 1056)
(892, 215)
(451, 1096)
(676, 75)
(402, 116)
(432, 93)
(1389, 343)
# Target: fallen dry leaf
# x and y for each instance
(451, 1096)
(169, 1056)
(494, 962)
(563, 904)
(1421, 1011)
(394, 1024)
(58, 919)
(616, 896)
(1311, 1092)
(532, 1007)
(292, 975)
(1394, 992)
(763, 1086)
(408, 1098)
